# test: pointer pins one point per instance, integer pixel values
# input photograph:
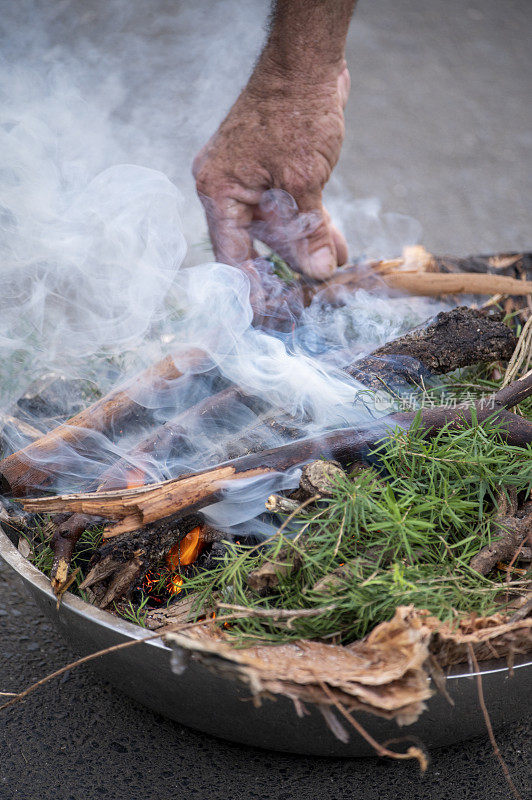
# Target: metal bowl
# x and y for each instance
(217, 704)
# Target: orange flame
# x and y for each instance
(135, 477)
(175, 584)
(187, 550)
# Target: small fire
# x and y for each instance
(135, 477)
(175, 584)
(187, 550)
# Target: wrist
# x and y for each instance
(276, 76)
(306, 41)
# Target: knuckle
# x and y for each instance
(302, 182)
(203, 180)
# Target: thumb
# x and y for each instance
(315, 250)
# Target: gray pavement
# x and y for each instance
(80, 739)
(439, 129)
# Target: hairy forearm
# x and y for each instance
(307, 38)
(262, 174)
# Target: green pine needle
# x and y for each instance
(406, 538)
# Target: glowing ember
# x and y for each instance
(175, 584)
(135, 477)
(187, 550)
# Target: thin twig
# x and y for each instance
(114, 648)
(489, 728)
(340, 534)
(412, 752)
(522, 354)
(277, 613)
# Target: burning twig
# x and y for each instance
(119, 565)
(140, 506)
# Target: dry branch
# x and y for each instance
(166, 439)
(431, 284)
(34, 466)
(140, 506)
(428, 275)
(511, 531)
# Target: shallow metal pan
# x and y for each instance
(220, 706)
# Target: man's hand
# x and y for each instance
(284, 133)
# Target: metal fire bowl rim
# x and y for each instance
(218, 698)
(25, 569)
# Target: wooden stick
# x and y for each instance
(433, 284)
(34, 465)
(427, 284)
(137, 507)
(444, 275)
(167, 438)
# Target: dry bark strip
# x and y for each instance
(450, 340)
(454, 339)
(137, 507)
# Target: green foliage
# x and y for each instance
(136, 614)
(282, 269)
(407, 536)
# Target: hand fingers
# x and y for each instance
(338, 239)
(229, 223)
(302, 235)
(341, 246)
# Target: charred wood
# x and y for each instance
(136, 507)
(34, 466)
(126, 559)
(453, 339)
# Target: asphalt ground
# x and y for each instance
(439, 128)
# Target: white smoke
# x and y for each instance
(102, 109)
